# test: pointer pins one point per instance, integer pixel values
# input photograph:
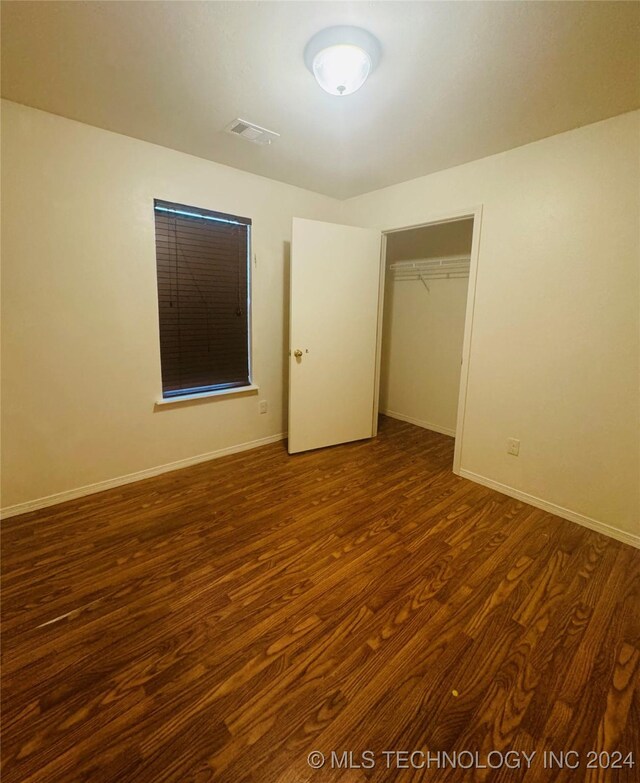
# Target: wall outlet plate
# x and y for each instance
(263, 406)
(513, 446)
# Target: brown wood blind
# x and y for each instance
(202, 266)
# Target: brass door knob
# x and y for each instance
(297, 353)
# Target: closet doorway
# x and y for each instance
(429, 289)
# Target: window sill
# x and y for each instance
(204, 395)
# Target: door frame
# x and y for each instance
(450, 216)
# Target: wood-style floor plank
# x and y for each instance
(220, 622)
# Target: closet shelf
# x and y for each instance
(431, 268)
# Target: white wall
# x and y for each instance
(423, 330)
(555, 341)
(81, 362)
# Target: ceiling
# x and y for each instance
(457, 81)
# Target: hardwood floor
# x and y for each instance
(221, 622)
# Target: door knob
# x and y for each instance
(297, 353)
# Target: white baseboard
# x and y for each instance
(552, 508)
(419, 423)
(101, 486)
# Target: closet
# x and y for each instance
(426, 281)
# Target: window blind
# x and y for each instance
(203, 298)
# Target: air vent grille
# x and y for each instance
(251, 132)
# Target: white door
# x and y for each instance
(335, 293)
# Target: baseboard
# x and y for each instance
(552, 508)
(419, 423)
(101, 486)
(130, 478)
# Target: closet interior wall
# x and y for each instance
(423, 328)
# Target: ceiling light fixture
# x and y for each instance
(341, 58)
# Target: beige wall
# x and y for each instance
(81, 364)
(555, 341)
(423, 330)
(443, 239)
(554, 349)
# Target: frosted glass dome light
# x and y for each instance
(341, 58)
(341, 69)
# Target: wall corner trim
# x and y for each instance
(552, 508)
(130, 478)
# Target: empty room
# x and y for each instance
(320, 391)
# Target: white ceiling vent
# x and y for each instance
(251, 132)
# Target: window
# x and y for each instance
(203, 299)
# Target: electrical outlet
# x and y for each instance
(513, 446)
(263, 406)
